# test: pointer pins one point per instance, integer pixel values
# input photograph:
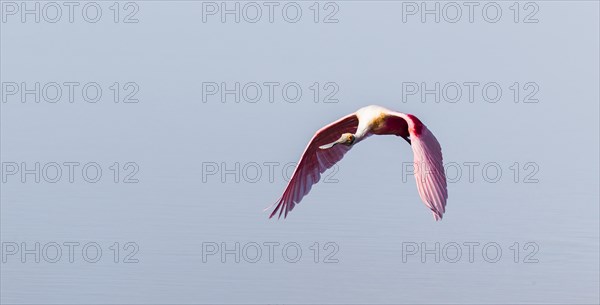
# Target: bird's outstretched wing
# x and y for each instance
(314, 162)
(429, 166)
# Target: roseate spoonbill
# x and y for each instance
(331, 142)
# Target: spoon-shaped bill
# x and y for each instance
(332, 144)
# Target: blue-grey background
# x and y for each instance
(369, 213)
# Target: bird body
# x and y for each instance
(330, 143)
(380, 121)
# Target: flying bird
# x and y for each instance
(332, 142)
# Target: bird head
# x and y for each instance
(346, 139)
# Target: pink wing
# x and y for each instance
(315, 161)
(429, 167)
